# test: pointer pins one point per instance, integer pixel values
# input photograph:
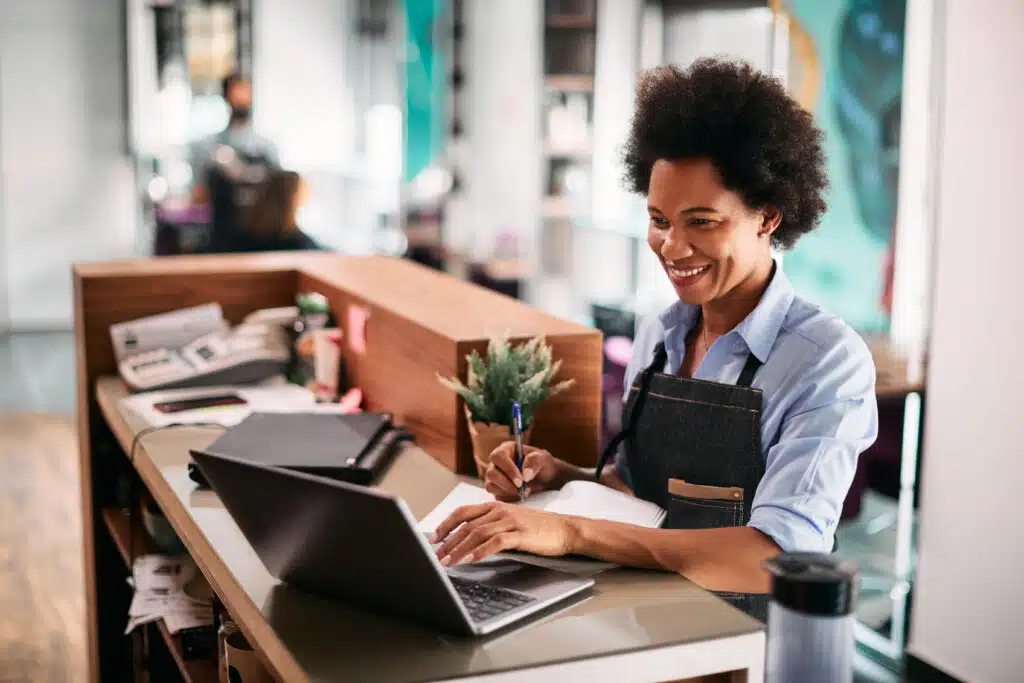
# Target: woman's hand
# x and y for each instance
(474, 532)
(503, 479)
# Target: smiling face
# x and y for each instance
(706, 237)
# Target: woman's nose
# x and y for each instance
(676, 245)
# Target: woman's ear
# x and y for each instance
(771, 219)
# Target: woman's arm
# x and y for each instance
(609, 477)
(727, 559)
(717, 559)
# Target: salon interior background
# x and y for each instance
(479, 136)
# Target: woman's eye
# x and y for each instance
(702, 222)
(659, 221)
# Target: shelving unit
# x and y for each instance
(569, 83)
(570, 20)
(118, 524)
(569, 54)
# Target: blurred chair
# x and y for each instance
(879, 467)
(505, 276)
(617, 352)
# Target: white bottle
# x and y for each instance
(810, 618)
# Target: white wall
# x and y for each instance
(967, 617)
(605, 259)
(303, 98)
(502, 167)
(688, 33)
(314, 79)
(5, 320)
(68, 191)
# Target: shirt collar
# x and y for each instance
(759, 329)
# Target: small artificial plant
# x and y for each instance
(520, 373)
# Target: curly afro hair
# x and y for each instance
(765, 146)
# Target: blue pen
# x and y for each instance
(517, 434)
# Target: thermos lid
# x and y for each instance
(814, 584)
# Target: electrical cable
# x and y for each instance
(134, 502)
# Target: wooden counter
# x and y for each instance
(635, 626)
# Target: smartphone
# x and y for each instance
(181, 405)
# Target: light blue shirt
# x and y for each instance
(819, 413)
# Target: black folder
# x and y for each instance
(354, 448)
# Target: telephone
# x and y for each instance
(248, 353)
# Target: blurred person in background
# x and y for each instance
(271, 223)
(230, 166)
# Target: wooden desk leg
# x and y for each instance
(108, 596)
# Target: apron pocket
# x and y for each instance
(702, 513)
(693, 506)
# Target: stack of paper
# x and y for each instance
(579, 498)
(160, 594)
(273, 395)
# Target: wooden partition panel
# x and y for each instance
(423, 323)
(109, 293)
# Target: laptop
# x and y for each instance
(361, 545)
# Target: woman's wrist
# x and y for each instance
(576, 536)
(566, 472)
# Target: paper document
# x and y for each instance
(274, 395)
(462, 494)
(159, 583)
(580, 498)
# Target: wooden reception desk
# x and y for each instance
(642, 626)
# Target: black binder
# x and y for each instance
(354, 448)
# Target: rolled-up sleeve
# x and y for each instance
(809, 470)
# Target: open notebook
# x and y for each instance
(580, 498)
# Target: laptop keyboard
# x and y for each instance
(486, 602)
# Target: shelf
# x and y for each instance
(571, 21)
(117, 522)
(570, 83)
(193, 670)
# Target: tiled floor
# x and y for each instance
(40, 550)
(871, 541)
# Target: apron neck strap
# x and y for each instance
(658, 364)
(750, 369)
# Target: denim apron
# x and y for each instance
(694, 448)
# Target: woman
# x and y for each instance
(748, 405)
(271, 223)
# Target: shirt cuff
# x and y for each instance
(790, 530)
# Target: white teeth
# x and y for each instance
(688, 273)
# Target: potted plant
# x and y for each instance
(521, 373)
